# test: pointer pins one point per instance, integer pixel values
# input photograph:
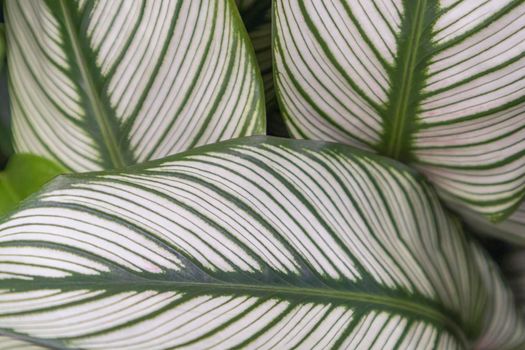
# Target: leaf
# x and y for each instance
(24, 175)
(98, 85)
(514, 267)
(257, 17)
(2, 46)
(251, 242)
(5, 143)
(512, 229)
(437, 84)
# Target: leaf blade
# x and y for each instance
(340, 73)
(99, 85)
(261, 231)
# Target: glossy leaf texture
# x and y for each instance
(257, 17)
(438, 84)
(104, 84)
(252, 243)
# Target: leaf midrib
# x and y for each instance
(99, 111)
(396, 303)
(397, 138)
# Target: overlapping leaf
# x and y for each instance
(253, 243)
(437, 84)
(512, 228)
(257, 17)
(103, 84)
(514, 267)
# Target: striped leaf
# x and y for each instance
(438, 84)
(23, 175)
(257, 17)
(103, 84)
(512, 228)
(251, 243)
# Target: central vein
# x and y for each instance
(99, 112)
(407, 79)
(299, 294)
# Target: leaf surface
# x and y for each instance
(105, 84)
(257, 17)
(436, 84)
(257, 242)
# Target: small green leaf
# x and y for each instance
(24, 175)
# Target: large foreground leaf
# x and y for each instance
(256, 243)
(103, 84)
(437, 84)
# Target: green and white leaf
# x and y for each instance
(438, 84)
(12, 343)
(104, 84)
(251, 243)
(512, 228)
(257, 17)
